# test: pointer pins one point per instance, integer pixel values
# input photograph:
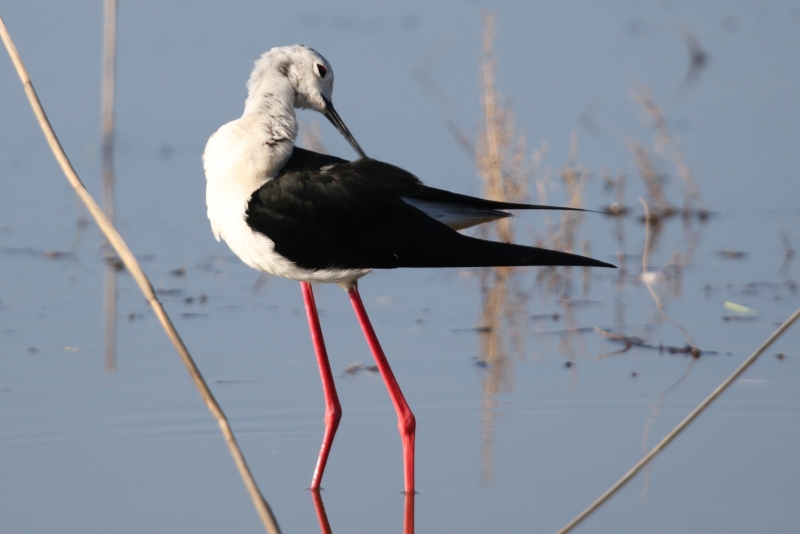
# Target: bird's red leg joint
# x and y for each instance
(333, 410)
(406, 422)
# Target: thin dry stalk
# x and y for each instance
(666, 144)
(681, 426)
(127, 257)
(652, 180)
(499, 157)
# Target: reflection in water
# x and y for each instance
(499, 155)
(107, 117)
(698, 59)
(325, 526)
(788, 254)
(322, 516)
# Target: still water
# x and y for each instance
(519, 428)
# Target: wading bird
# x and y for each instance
(321, 219)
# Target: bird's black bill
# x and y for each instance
(337, 121)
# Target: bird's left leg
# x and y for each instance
(333, 410)
(406, 422)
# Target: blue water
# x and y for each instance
(135, 450)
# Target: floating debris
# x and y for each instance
(115, 263)
(615, 210)
(169, 292)
(555, 316)
(57, 255)
(478, 329)
(728, 318)
(189, 315)
(739, 309)
(356, 368)
(732, 254)
(633, 341)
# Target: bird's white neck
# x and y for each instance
(244, 154)
(270, 105)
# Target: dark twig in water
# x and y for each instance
(634, 342)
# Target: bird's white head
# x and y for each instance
(300, 76)
(309, 76)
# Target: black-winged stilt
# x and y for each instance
(317, 218)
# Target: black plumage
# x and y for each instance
(323, 212)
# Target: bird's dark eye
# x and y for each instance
(322, 70)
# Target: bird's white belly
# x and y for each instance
(258, 251)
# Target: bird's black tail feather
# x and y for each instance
(473, 252)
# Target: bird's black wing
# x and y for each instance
(431, 194)
(322, 212)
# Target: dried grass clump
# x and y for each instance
(667, 148)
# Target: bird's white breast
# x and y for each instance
(238, 160)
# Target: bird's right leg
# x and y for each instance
(333, 410)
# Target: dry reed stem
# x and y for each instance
(665, 143)
(680, 426)
(499, 154)
(127, 257)
(651, 179)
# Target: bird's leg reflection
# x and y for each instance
(325, 526)
(322, 516)
(333, 410)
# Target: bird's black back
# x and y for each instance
(323, 212)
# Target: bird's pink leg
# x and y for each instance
(333, 410)
(405, 419)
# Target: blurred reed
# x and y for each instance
(500, 159)
(107, 128)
